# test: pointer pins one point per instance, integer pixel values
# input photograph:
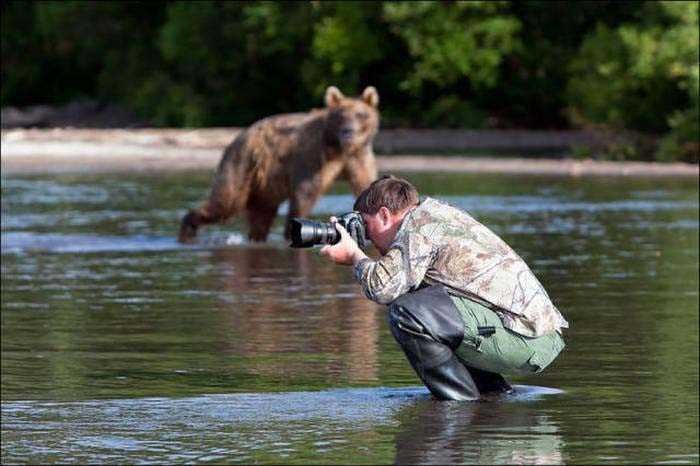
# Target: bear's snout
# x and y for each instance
(346, 133)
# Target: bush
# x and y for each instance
(642, 77)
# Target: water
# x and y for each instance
(120, 345)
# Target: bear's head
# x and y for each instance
(352, 123)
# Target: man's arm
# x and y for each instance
(394, 274)
(385, 279)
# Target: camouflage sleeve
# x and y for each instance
(399, 271)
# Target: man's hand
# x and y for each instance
(346, 251)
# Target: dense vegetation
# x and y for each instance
(614, 64)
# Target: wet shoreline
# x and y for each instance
(142, 150)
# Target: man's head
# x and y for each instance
(383, 206)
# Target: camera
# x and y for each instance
(306, 233)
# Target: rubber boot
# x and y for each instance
(434, 363)
(489, 382)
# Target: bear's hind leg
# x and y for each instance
(189, 225)
(224, 202)
(260, 220)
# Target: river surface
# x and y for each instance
(121, 346)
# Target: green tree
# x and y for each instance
(456, 50)
(454, 41)
(22, 66)
(625, 65)
(641, 76)
(229, 62)
(532, 79)
(96, 49)
(346, 40)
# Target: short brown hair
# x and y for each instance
(396, 194)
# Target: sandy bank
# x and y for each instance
(87, 150)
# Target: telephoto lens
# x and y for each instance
(306, 233)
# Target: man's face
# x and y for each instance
(382, 227)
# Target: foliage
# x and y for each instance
(642, 76)
(617, 64)
(230, 62)
(346, 40)
(446, 44)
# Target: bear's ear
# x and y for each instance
(370, 96)
(333, 96)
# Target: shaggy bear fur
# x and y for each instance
(294, 156)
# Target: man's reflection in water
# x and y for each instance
(496, 432)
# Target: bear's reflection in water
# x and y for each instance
(299, 315)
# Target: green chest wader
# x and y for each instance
(429, 329)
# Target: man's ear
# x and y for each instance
(384, 214)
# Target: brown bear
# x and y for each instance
(294, 156)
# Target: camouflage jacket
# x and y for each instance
(441, 244)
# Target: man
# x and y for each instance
(464, 307)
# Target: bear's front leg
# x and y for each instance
(360, 171)
(301, 203)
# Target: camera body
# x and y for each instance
(306, 233)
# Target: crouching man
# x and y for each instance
(464, 307)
